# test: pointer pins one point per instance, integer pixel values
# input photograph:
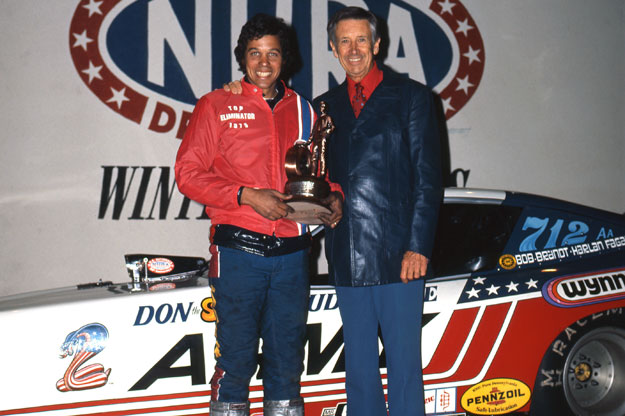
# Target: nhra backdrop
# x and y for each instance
(96, 95)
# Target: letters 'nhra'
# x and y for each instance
(525, 315)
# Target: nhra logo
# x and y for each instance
(150, 61)
(585, 289)
(160, 265)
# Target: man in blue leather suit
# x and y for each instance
(384, 153)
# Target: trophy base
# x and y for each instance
(306, 211)
(307, 195)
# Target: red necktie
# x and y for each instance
(359, 99)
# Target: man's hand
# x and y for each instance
(413, 266)
(334, 201)
(267, 202)
(233, 87)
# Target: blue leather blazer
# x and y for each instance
(388, 163)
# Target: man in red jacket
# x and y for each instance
(232, 161)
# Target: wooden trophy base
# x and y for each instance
(307, 196)
(306, 212)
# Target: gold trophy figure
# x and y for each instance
(306, 172)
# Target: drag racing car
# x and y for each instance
(525, 315)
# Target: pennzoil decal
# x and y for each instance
(584, 289)
(497, 396)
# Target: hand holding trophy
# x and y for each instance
(306, 172)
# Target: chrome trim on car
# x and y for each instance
(474, 195)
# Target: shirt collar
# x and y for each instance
(369, 82)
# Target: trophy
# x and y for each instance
(306, 172)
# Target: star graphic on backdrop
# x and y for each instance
(532, 283)
(479, 280)
(93, 71)
(464, 84)
(493, 290)
(512, 287)
(472, 55)
(446, 6)
(118, 97)
(464, 26)
(447, 105)
(82, 40)
(473, 293)
(93, 7)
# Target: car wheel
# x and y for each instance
(607, 328)
(594, 373)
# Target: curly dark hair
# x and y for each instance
(257, 27)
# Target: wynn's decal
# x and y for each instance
(84, 344)
(584, 289)
(150, 61)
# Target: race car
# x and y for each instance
(525, 315)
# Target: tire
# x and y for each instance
(582, 372)
(594, 374)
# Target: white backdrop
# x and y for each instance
(547, 118)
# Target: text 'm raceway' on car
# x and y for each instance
(525, 315)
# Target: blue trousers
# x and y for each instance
(259, 298)
(398, 309)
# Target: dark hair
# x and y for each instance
(356, 13)
(261, 25)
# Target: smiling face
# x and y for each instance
(354, 47)
(263, 63)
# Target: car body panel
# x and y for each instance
(516, 277)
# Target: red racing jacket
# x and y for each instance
(237, 140)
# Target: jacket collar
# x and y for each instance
(251, 89)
